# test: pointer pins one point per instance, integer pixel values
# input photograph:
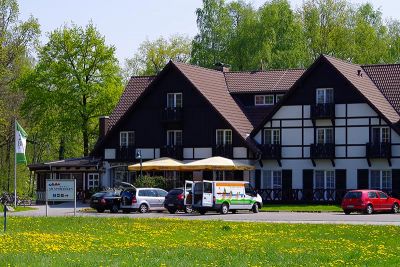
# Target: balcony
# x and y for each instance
(271, 151)
(172, 115)
(323, 111)
(379, 150)
(125, 153)
(225, 151)
(175, 152)
(322, 151)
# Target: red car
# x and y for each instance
(369, 201)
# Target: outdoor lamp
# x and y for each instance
(139, 157)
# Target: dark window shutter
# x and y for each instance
(308, 184)
(258, 179)
(340, 179)
(362, 179)
(396, 182)
(207, 175)
(286, 179)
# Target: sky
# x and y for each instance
(127, 23)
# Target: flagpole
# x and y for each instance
(15, 162)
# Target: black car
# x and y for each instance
(106, 200)
(174, 201)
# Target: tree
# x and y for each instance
(75, 81)
(17, 39)
(153, 55)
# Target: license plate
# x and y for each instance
(95, 201)
(170, 205)
(350, 206)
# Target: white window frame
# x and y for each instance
(175, 137)
(324, 131)
(93, 179)
(275, 136)
(263, 99)
(325, 99)
(388, 185)
(225, 138)
(384, 134)
(175, 104)
(278, 96)
(329, 182)
(272, 179)
(124, 138)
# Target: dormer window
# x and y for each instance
(324, 95)
(263, 100)
(278, 97)
(126, 139)
(174, 100)
(224, 137)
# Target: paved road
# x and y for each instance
(66, 209)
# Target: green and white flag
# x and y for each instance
(20, 143)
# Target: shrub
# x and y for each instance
(150, 181)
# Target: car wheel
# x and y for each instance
(126, 210)
(234, 211)
(114, 208)
(188, 209)
(202, 212)
(347, 212)
(100, 210)
(395, 208)
(171, 210)
(143, 208)
(224, 209)
(369, 210)
(255, 208)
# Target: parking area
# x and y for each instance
(66, 209)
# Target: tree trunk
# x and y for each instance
(61, 151)
(85, 128)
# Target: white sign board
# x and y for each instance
(60, 190)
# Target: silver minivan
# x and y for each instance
(142, 199)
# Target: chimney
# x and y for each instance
(222, 67)
(359, 73)
(103, 126)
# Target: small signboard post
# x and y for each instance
(60, 190)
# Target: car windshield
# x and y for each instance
(353, 195)
(99, 194)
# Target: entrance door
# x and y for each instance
(207, 194)
(188, 190)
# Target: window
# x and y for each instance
(324, 180)
(380, 179)
(260, 100)
(272, 179)
(325, 136)
(272, 136)
(324, 95)
(126, 139)
(224, 137)
(382, 195)
(174, 138)
(174, 100)
(380, 135)
(371, 195)
(93, 180)
(278, 97)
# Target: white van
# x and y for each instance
(222, 196)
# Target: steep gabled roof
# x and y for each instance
(387, 78)
(135, 87)
(262, 81)
(211, 84)
(366, 87)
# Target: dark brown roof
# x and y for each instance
(387, 79)
(212, 86)
(135, 87)
(366, 87)
(262, 81)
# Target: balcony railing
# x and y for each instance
(172, 114)
(225, 151)
(322, 151)
(125, 153)
(379, 150)
(175, 152)
(271, 151)
(323, 111)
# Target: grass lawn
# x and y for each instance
(85, 241)
(301, 207)
(18, 208)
